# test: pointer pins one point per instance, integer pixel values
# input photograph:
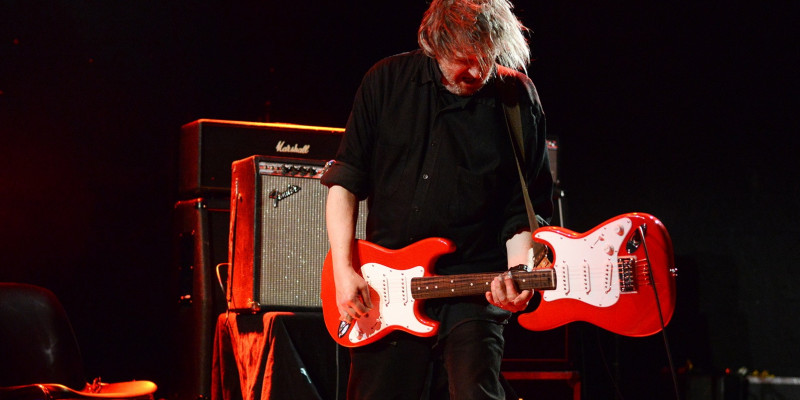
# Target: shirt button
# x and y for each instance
(425, 176)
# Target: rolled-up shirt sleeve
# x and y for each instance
(348, 177)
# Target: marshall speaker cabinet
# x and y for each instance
(278, 236)
(201, 240)
(208, 147)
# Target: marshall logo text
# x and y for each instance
(283, 147)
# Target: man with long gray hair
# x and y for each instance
(427, 144)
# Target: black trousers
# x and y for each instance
(463, 365)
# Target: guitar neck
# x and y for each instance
(472, 284)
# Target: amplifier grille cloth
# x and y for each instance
(294, 241)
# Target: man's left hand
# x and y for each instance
(504, 294)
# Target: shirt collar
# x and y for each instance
(429, 73)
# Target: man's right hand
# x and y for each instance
(352, 294)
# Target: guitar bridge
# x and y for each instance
(627, 274)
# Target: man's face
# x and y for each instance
(463, 75)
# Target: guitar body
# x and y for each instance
(394, 308)
(604, 277)
(614, 276)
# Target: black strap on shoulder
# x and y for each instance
(510, 100)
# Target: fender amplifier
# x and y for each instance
(278, 236)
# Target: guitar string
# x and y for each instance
(453, 285)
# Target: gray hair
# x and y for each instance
(487, 29)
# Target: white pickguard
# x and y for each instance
(586, 268)
(396, 305)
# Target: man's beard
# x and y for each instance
(466, 89)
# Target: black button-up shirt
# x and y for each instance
(433, 164)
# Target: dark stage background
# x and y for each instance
(685, 110)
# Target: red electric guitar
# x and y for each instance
(399, 280)
(614, 276)
(604, 276)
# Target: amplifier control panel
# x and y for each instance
(300, 170)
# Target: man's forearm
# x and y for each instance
(340, 217)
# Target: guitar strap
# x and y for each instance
(511, 109)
